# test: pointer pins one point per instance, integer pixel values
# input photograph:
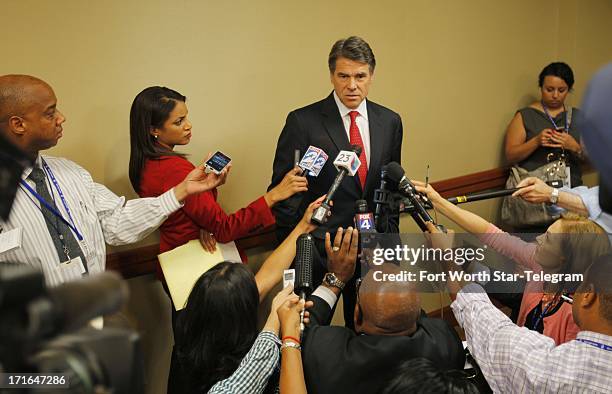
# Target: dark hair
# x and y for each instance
(353, 48)
(599, 274)
(218, 325)
(421, 376)
(150, 109)
(557, 69)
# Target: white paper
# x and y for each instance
(182, 266)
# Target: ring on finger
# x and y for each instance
(336, 248)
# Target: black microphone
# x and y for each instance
(76, 303)
(381, 196)
(481, 196)
(347, 161)
(396, 174)
(304, 256)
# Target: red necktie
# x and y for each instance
(356, 140)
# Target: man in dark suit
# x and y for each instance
(390, 325)
(333, 124)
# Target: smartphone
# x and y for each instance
(217, 162)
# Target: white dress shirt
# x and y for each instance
(99, 215)
(361, 120)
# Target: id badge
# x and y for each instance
(10, 240)
(73, 269)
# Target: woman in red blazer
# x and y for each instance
(158, 123)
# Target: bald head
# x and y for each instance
(28, 113)
(386, 307)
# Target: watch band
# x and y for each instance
(554, 196)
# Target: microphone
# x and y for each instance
(381, 197)
(313, 161)
(304, 256)
(76, 303)
(364, 220)
(481, 196)
(420, 215)
(347, 162)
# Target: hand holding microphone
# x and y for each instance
(304, 256)
(347, 162)
(293, 182)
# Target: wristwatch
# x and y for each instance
(554, 196)
(331, 279)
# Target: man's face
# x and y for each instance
(351, 81)
(42, 120)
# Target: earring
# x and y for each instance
(155, 136)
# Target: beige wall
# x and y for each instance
(455, 70)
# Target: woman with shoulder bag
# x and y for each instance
(543, 140)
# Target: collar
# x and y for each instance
(344, 110)
(595, 337)
(28, 170)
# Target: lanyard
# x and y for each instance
(552, 303)
(553, 121)
(54, 211)
(601, 346)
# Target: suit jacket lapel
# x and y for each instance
(377, 138)
(334, 126)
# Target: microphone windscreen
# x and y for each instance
(80, 301)
(395, 172)
(357, 149)
(361, 206)
(304, 257)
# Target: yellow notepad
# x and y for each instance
(182, 266)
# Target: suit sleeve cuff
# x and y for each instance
(326, 294)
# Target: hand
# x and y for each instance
(310, 210)
(273, 324)
(533, 190)
(289, 316)
(438, 239)
(545, 139)
(198, 181)
(429, 191)
(292, 183)
(565, 140)
(342, 258)
(208, 241)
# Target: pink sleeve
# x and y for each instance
(520, 251)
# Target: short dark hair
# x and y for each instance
(421, 376)
(218, 325)
(599, 275)
(560, 70)
(353, 48)
(150, 109)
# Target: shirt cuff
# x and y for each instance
(169, 203)
(466, 297)
(326, 295)
(270, 336)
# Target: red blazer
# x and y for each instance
(200, 211)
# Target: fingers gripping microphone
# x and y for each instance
(304, 257)
(347, 162)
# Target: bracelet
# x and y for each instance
(290, 344)
(294, 339)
